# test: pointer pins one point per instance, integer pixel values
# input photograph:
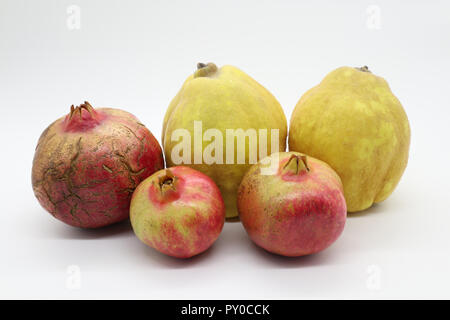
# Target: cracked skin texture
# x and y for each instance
(298, 210)
(182, 219)
(353, 122)
(225, 98)
(87, 166)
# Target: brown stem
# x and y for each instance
(364, 69)
(205, 70)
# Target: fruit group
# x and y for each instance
(218, 101)
(178, 211)
(353, 122)
(87, 165)
(298, 209)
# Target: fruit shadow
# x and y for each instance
(375, 209)
(176, 263)
(319, 259)
(120, 229)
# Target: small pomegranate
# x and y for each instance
(298, 210)
(178, 211)
(87, 165)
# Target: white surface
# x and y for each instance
(136, 54)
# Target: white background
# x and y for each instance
(136, 54)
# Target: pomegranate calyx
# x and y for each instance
(82, 118)
(167, 181)
(86, 106)
(296, 165)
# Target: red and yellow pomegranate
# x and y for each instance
(297, 209)
(88, 163)
(178, 211)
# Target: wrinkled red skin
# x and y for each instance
(293, 214)
(191, 214)
(87, 165)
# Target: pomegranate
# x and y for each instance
(298, 210)
(178, 211)
(88, 163)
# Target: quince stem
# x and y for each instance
(364, 69)
(205, 70)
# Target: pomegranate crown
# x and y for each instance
(166, 180)
(82, 118)
(165, 187)
(296, 164)
(86, 106)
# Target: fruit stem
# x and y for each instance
(364, 69)
(205, 70)
(296, 165)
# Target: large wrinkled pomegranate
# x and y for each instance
(88, 163)
(178, 211)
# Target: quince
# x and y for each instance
(220, 123)
(353, 122)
